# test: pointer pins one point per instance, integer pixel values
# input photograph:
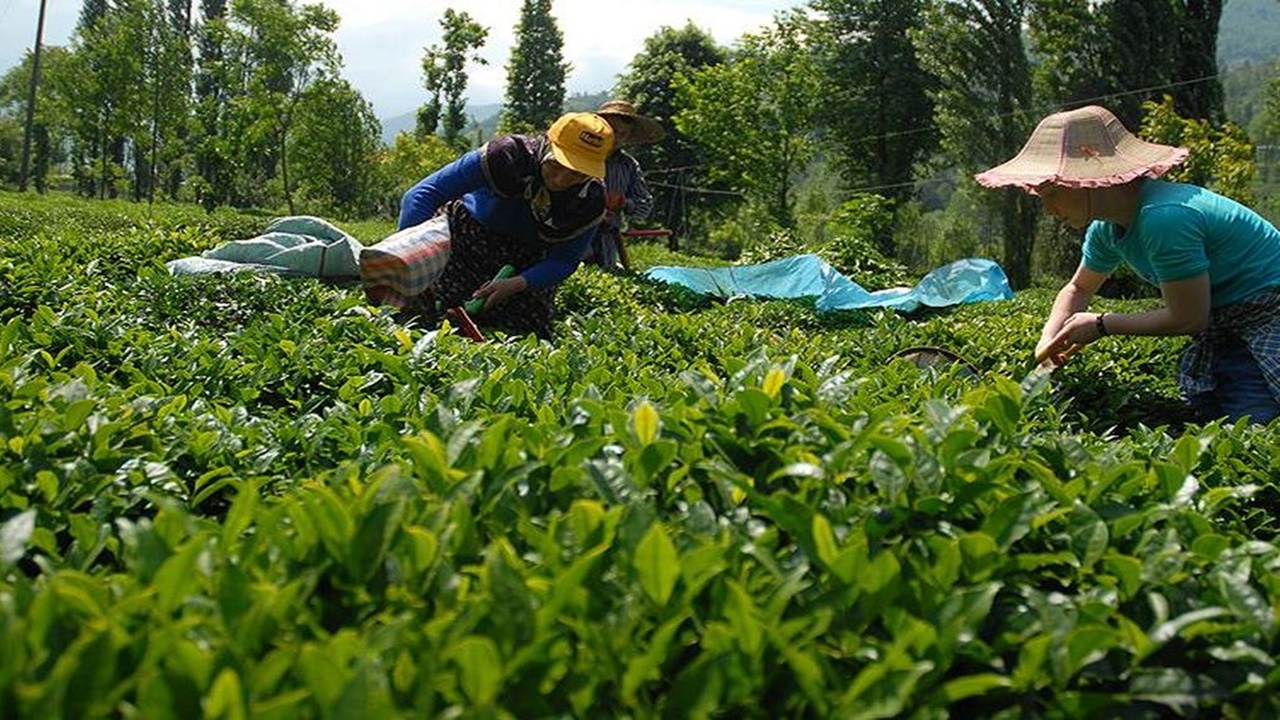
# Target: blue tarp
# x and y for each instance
(964, 281)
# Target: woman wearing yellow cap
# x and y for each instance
(1216, 262)
(530, 201)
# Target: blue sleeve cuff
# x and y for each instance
(561, 261)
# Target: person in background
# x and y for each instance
(1216, 262)
(531, 201)
(627, 193)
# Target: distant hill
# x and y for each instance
(484, 118)
(1249, 32)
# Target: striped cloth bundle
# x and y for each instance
(406, 263)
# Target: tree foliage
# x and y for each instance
(409, 159)
(875, 103)
(445, 78)
(280, 50)
(755, 115)
(983, 102)
(649, 82)
(335, 145)
(213, 183)
(1069, 43)
(1126, 53)
(536, 71)
(105, 87)
(50, 124)
(1221, 157)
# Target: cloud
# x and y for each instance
(382, 43)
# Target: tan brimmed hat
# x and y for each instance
(647, 130)
(1084, 148)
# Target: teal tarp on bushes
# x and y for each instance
(295, 245)
(964, 281)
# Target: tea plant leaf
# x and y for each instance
(1169, 629)
(645, 422)
(824, 540)
(479, 668)
(225, 698)
(1233, 580)
(1088, 644)
(1128, 570)
(283, 706)
(744, 619)
(773, 381)
(1089, 535)
(244, 496)
(1173, 688)
(1188, 450)
(980, 554)
(646, 667)
(657, 564)
(973, 686)
(430, 462)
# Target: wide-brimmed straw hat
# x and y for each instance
(581, 141)
(1083, 148)
(645, 129)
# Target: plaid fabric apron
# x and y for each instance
(404, 265)
(1255, 321)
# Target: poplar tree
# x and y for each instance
(876, 104)
(213, 185)
(536, 71)
(983, 103)
(1197, 62)
(444, 75)
(91, 11)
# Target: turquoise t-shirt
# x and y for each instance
(1181, 231)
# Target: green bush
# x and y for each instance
(1220, 158)
(246, 496)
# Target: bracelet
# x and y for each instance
(1102, 326)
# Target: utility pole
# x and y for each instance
(31, 101)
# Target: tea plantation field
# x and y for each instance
(255, 497)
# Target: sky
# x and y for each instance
(381, 41)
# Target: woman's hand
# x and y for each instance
(1078, 330)
(496, 292)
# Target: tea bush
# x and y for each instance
(245, 496)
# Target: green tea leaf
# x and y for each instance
(1128, 570)
(225, 698)
(1089, 535)
(773, 381)
(973, 686)
(479, 668)
(645, 422)
(824, 539)
(657, 564)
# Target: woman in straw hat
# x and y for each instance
(529, 201)
(627, 192)
(1216, 262)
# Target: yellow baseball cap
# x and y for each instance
(581, 141)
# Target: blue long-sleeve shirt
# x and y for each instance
(501, 186)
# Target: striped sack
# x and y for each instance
(405, 264)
